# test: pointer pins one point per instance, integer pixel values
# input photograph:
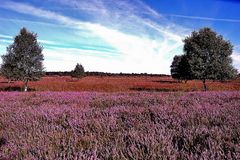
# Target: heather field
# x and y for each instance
(133, 125)
(119, 84)
(119, 80)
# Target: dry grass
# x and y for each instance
(119, 84)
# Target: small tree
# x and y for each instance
(208, 55)
(180, 68)
(78, 72)
(23, 60)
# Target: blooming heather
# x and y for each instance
(90, 125)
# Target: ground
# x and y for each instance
(119, 117)
(119, 84)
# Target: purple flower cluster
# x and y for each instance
(90, 125)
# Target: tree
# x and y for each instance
(78, 72)
(184, 69)
(208, 55)
(175, 67)
(180, 68)
(23, 60)
(7, 68)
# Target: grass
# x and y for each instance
(119, 84)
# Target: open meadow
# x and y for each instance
(119, 117)
(119, 84)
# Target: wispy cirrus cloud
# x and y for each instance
(142, 45)
(110, 8)
(46, 24)
(47, 42)
(205, 18)
(34, 11)
(9, 39)
(5, 36)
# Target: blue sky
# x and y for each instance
(140, 36)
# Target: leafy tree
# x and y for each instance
(23, 60)
(184, 69)
(180, 68)
(7, 68)
(175, 67)
(78, 72)
(208, 55)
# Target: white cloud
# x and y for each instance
(47, 42)
(5, 41)
(110, 8)
(93, 63)
(139, 53)
(66, 58)
(5, 36)
(206, 18)
(9, 39)
(28, 9)
(237, 47)
(31, 22)
(236, 59)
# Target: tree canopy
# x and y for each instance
(78, 72)
(180, 68)
(23, 60)
(208, 55)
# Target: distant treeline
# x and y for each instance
(68, 73)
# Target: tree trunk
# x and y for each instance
(205, 85)
(25, 86)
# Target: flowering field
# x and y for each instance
(119, 84)
(134, 125)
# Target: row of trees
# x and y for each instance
(207, 56)
(24, 58)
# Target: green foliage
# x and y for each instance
(24, 57)
(8, 67)
(78, 72)
(175, 67)
(208, 55)
(180, 68)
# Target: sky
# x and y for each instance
(128, 36)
